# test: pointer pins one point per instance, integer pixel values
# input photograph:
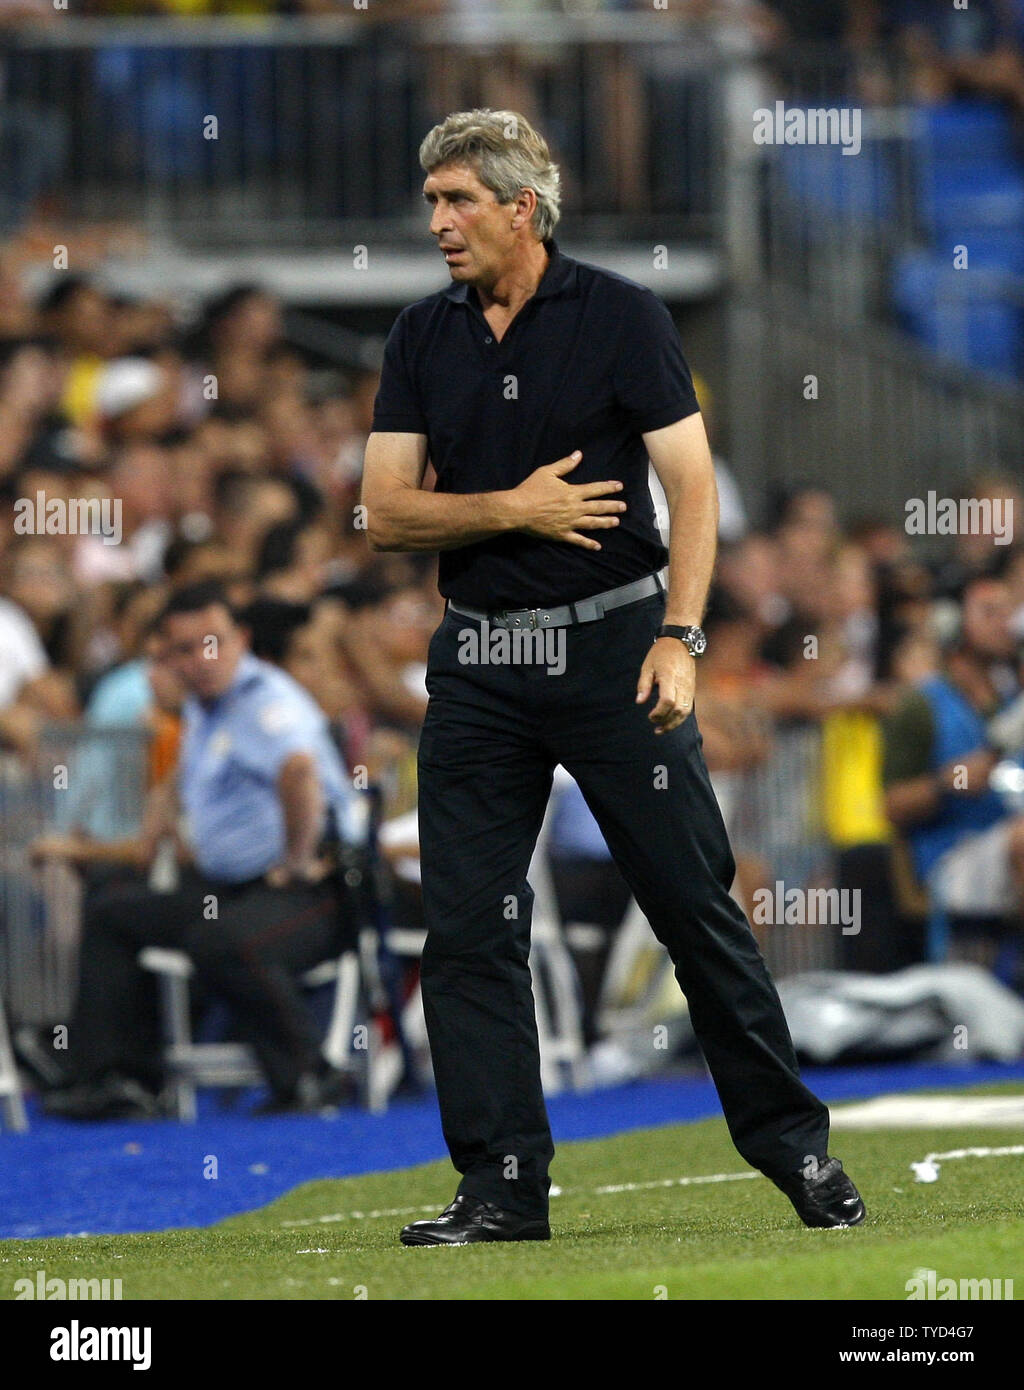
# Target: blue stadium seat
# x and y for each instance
(955, 199)
(964, 132)
(857, 188)
(968, 321)
(988, 248)
(968, 173)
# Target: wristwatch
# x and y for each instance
(692, 638)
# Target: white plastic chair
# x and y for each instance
(11, 1103)
(193, 1064)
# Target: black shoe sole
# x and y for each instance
(835, 1225)
(527, 1233)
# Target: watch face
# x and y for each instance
(698, 643)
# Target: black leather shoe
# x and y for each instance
(827, 1198)
(468, 1220)
(314, 1093)
(112, 1098)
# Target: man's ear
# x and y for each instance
(524, 214)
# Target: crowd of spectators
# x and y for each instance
(224, 456)
(216, 450)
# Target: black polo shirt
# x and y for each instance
(591, 361)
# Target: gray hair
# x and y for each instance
(507, 154)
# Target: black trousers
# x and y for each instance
(250, 955)
(492, 736)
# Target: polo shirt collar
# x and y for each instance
(248, 670)
(559, 277)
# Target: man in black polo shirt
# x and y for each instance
(539, 387)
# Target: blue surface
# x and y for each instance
(966, 315)
(833, 184)
(65, 1179)
(967, 131)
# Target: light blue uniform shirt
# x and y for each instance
(232, 752)
(123, 696)
(574, 831)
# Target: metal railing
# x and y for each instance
(776, 819)
(889, 421)
(865, 234)
(93, 779)
(96, 779)
(304, 132)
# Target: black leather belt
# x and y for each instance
(584, 610)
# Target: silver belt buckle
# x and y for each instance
(533, 617)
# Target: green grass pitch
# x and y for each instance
(729, 1240)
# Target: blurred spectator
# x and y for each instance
(983, 550)
(967, 846)
(294, 560)
(260, 785)
(79, 318)
(136, 399)
(39, 580)
(385, 640)
(240, 329)
(954, 50)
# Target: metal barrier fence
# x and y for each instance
(78, 777)
(886, 231)
(298, 132)
(889, 421)
(96, 779)
(867, 235)
(774, 816)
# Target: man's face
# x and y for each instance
(203, 649)
(987, 611)
(85, 322)
(472, 227)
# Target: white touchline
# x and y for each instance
(666, 1182)
(361, 1215)
(1007, 1152)
(927, 1170)
(612, 1189)
(555, 1192)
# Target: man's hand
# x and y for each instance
(558, 510)
(312, 871)
(72, 848)
(669, 665)
(968, 776)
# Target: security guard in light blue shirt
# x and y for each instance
(260, 788)
(232, 753)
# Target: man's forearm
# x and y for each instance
(912, 801)
(302, 806)
(693, 540)
(416, 519)
(160, 816)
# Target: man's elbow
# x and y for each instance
(378, 542)
(298, 770)
(381, 534)
(899, 810)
